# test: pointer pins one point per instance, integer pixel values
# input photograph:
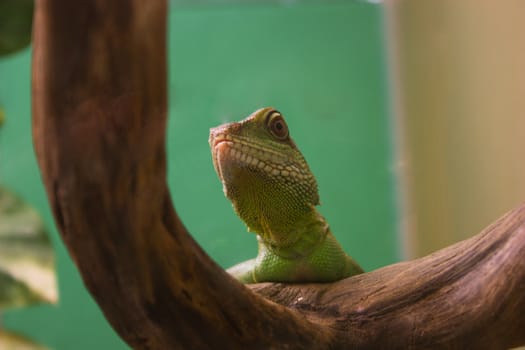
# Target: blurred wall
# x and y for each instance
(321, 64)
(458, 71)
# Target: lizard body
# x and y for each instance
(273, 191)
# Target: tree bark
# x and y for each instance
(99, 113)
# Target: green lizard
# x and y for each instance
(274, 192)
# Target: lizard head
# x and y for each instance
(263, 173)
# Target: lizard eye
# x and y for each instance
(278, 127)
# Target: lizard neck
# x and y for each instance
(307, 234)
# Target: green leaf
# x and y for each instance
(27, 271)
(11, 341)
(16, 20)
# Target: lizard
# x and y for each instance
(273, 191)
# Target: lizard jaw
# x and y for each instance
(220, 144)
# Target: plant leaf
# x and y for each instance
(27, 272)
(11, 341)
(16, 17)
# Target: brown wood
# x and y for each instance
(99, 106)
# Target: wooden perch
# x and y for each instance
(99, 105)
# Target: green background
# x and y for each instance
(321, 65)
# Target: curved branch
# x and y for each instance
(469, 295)
(99, 110)
(99, 106)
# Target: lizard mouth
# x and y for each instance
(220, 147)
(220, 139)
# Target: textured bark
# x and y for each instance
(467, 296)
(99, 106)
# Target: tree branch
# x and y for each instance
(469, 295)
(99, 113)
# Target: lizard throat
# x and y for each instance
(306, 236)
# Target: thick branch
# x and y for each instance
(99, 105)
(469, 295)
